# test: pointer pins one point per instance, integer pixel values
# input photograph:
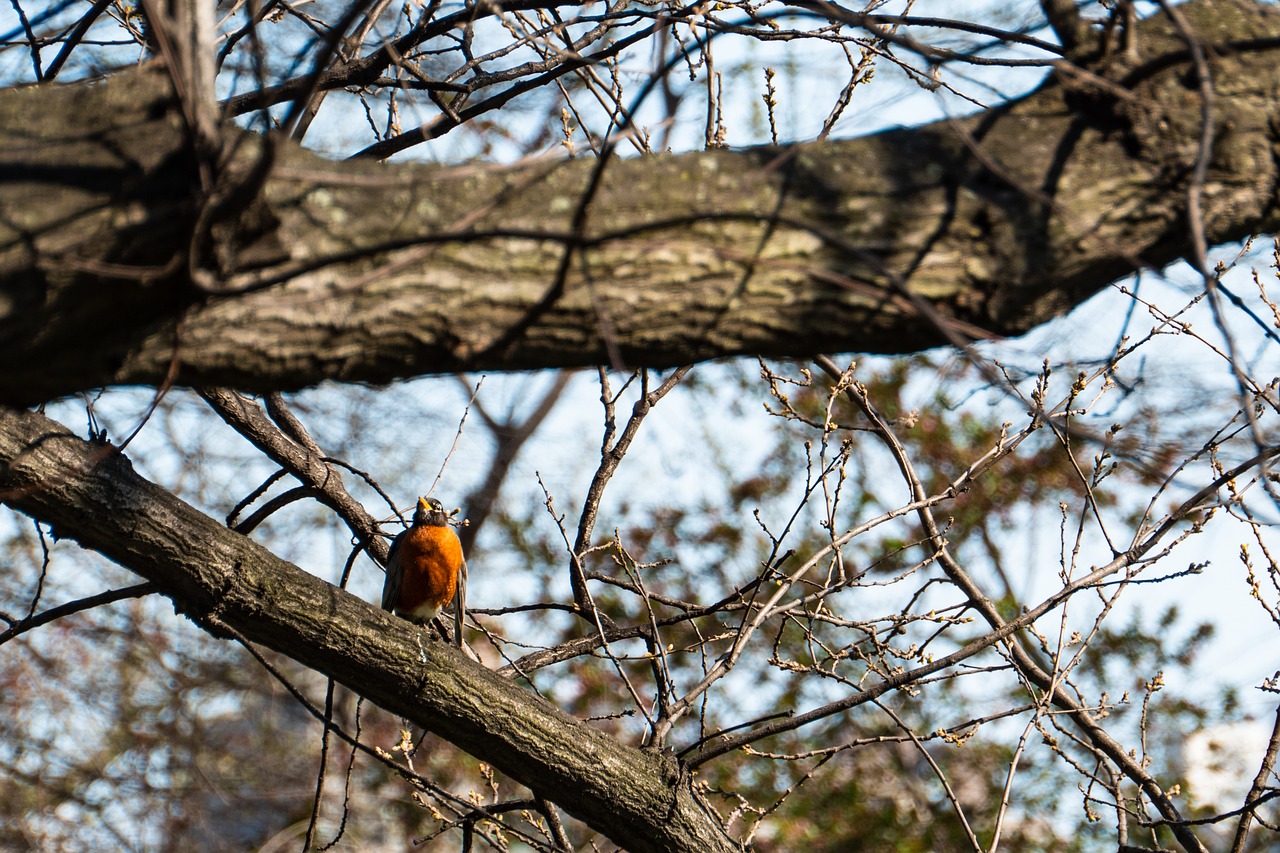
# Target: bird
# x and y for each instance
(426, 569)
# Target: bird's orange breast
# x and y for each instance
(430, 557)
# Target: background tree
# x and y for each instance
(906, 608)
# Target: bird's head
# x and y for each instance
(430, 511)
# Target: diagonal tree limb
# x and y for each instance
(639, 799)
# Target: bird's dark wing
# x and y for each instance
(460, 604)
(395, 574)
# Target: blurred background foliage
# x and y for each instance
(124, 727)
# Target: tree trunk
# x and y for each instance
(118, 269)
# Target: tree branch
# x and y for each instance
(367, 272)
(639, 799)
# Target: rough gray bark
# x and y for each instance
(116, 269)
(90, 493)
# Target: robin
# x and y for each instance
(425, 569)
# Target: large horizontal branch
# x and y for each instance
(90, 493)
(117, 268)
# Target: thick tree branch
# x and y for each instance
(367, 272)
(640, 799)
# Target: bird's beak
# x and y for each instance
(422, 505)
